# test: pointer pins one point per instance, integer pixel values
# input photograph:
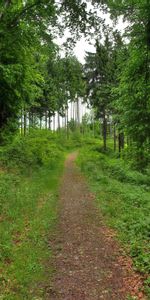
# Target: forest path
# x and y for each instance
(88, 261)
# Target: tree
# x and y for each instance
(26, 27)
(21, 32)
(98, 73)
(133, 91)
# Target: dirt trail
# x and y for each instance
(89, 264)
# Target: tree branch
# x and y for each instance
(6, 4)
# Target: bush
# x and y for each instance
(37, 149)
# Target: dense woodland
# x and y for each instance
(37, 87)
(36, 82)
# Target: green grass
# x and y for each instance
(29, 179)
(123, 196)
(28, 216)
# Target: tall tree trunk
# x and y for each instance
(29, 121)
(58, 122)
(93, 127)
(78, 112)
(67, 119)
(54, 122)
(104, 131)
(46, 119)
(22, 130)
(32, 119)
(73, 111)
(49, 121)
(40, 121)
(115, 138)
(25, 122)
(120, 141)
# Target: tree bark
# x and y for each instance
(54, 122)
(115, 138)
(104, 131)
(120, 141)
(49, 121)
(25, 122)
(58, 122)
(67, 123)
(78, 112)
(45, 119)
(40, 121)
(22, 130)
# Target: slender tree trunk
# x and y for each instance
(67, 119)
(49, 121)
(104, 131)
(73, 111)
(32, 119)
(29, 121)
(40, 121)
(78, 112)
(93, 127)
(22, 130)
(120, 141)
(58, 122)
(115, 138)
(25, 122)
(54, 122)
(46, 119)
(63, 122)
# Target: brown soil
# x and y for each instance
(88, 261)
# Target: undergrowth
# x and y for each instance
(29, 176)
(123, 196)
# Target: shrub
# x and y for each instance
(39, 148)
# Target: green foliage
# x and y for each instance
(98, 76)
(26, 50)
(132, 92)
(100, 73)
(36, 149)
(118, 76)
(123, 197)
(39, 148)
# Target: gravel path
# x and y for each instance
(88, 261)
